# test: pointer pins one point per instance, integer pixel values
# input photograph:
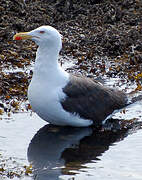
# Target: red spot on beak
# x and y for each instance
(18, 38)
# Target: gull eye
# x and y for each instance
(41, 32)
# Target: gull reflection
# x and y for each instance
(55, 151)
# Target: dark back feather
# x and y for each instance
(91, 100)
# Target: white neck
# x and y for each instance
(47, 66)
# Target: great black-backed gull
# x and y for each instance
(61, 98)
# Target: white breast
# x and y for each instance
(45, 95)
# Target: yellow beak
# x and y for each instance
(22, 36)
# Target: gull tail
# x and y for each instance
(132, 100)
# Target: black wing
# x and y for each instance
(91, 100)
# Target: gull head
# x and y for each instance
(44, 36)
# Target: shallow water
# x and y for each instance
(68, 153)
